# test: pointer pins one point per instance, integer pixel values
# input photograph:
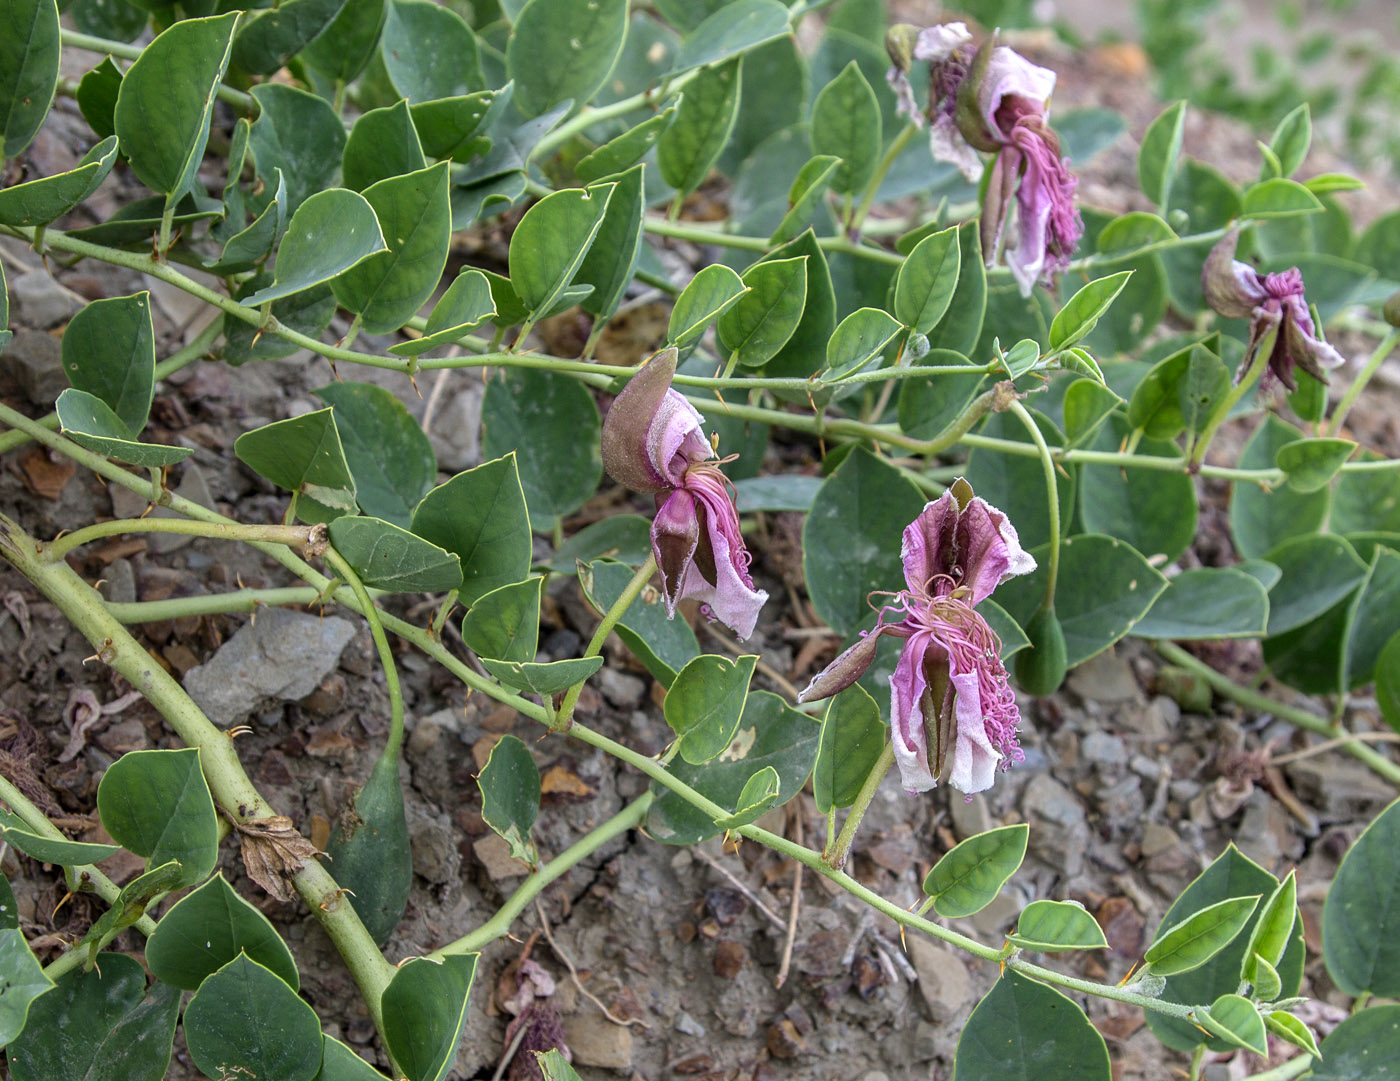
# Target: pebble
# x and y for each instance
(34, 361)
(595, 1042)
(1105, 678)
(493, 853)
(1059, 834)
(688, 1026)
(119, 582)
(622, 690)
(194, 487)
(970, 817)
(1103, 749)
(456, 430)
(37, 301)
(943, 979)
(281, 655)
(729, 959)
(1337, 787)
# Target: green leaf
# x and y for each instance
(429, 51)
(1360, 1046)
(465, 305)
(245, 1019)
(208, 928)
(268, 39)
(1025, 1031)
(760, 793)
(131, 904)
(1316, 573)
(769, 734)
(1388, 682)
(382, 144)
(339, 1063)
(387, 289)
(157, 804)
(90, 422)
(1260, 518)
(1362, 913)
(386, 450)
(370, 852)
(623, 537)
(1287, 1027)
(689, 147)
(1272, 931)
(612, 257)
(14, 833)
(551, 423)
(929, 405)
(97, 96)
(626, 149)
(1291, 140)
(801, 355)
(1236, 1021)
(109, 352)
(247, 248)
(735, 28)
(805, 197)
(851, 538)
(961, 326)
(1278, 198)
(927, 281)
(1016, 483)
(28, 73)
(1203, 385)
(459, 128)
(543, 678)
(118, 20)
(341, 50)
(1206, 603)
(551, 242)
(846, 125)
(859, 339)
(305, 456)
(1079, 316)
(1232, 875)
(9, 909)
(425, 1006)
(711, 293)
(1371, 619)
(167, 99)
(125, 1031)
(765, 316)
(308, 312)
(1087, 405)
(853, 735)
(136, 223)
(480, 515)
(967, 878)
(1312, 463)
(44, 200)
(1053, 926)
(1196, 939)
(561, 50)
(1129, 232)
(1364, 502)
(388, 557)
(22, 981)
(664, 646)
(331, 232)
(300, 134)
(505, 624)
(1153, 511)
(1020, 358)
(705, 703)
(1160, 152)
(510, 796)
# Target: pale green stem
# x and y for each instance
(630, 817)
(1294, 1067)
(1358, 384)
(838, 852)
(701, 234)
(71, 39)
(381, 643)
(245, 600)
(1250, 699)
(293, 535)
(1198, 1058)
(587, 117)
(1052, 561)
(872, 189)
(1263, 348)
(595, 645)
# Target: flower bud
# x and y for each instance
(1390, 310)
(900, 40)
(628, 437)
(968, 112)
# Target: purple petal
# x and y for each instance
(1009, 74)
(1232, 288)
(989, 551)
(904, 95)
(974, 760)
(1048, 224)
(730, 596)
(628, 426)
(675, 439)
(939, 43)
(945, 143)
(928, 547)
(675, 534)
(908, 730)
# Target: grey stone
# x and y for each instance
(37, 301)
(1103, 750)
(119, 582)
(280, 655)
(1059, 834)
(619, 688)
(998, 916)
(34, 360)
(688, 1026)
(970, 817)
(943, 979)
(456, 429)
(434, 844)
(195, 488)
(1338, 787)
(595, 1042)
(1105, 678)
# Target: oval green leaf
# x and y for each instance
(331, 232)
(245, 1020)
(28, 71)
(157, 804)
(705, 703)
(1360, 921)
(510, 795)
(41, 201)
(370, 851)
(505, 624)
(1051, 926)
(304, 455)
(550, 244)
(561, 50)
(927, 281)
(1025, 1031)
(967, 877)
(429, 51)
(391, 558)
(425, 1006)
(208, 928)
(1236, 1021)
(853, 735)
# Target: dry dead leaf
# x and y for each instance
(273, 851)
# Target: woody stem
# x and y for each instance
(836, 854)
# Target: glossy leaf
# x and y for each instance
(382, 144)
(510, 795)
(664, 646)
(341, 50)
(543, 678)
(705, 703)
(765, 317)
(1025, 1031)
(300, 134)
(1261, 519)
(388, 557)
(1287, 1027)
(626, 149)
(1359, 922)
(859, 339)
(1196, 939)
(157, 804)
(853, 735)
(109, 352)
(769, 734)
(458, 128)
(268, 39)
(1206, 603)
(465, 305)
(805, 197)
(801, 355)
(90, 422)
(208, 928)
(1160, 152)
(505, 624)
(167, 99)
(969, 875)
(734, 28)
(305, 456)
(1312, 463)
(1360, 1047)
(561, 50)
(760, 793)
(429, 51)
(331, 232)
(927, 281)
(612, 258)
(1317, 572)
(1083, 311)
(124, 1030)
(339, 1063)
(1051, 926)
(23, 981)
(1235, 1020)
(551, 242)
(691, 144)
(961, 326)
(850, 541)
(707, 296)
(846, 125)
(97, 96)
(46, 199)
(14, 833)
(245, 1019)
(1272, 930)
(248, 247)
(425, 1006)
(370, 852)
(1278, 198)
(28, 71)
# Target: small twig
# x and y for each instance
(764, 667)
(573, 973)
(866, 919)
(896, 953)
(758, 903)
(510, 1052)
(1327, 745)
(796, 901)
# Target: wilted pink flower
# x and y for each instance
(1270, 302)
(652, 442)
(995, 100)
(949, 696)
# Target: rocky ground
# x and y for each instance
(1128, 795)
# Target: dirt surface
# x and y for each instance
(1129, 797)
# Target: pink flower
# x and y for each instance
(995, 100)
(652, 442)
(1271, 302)
(953, 716)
